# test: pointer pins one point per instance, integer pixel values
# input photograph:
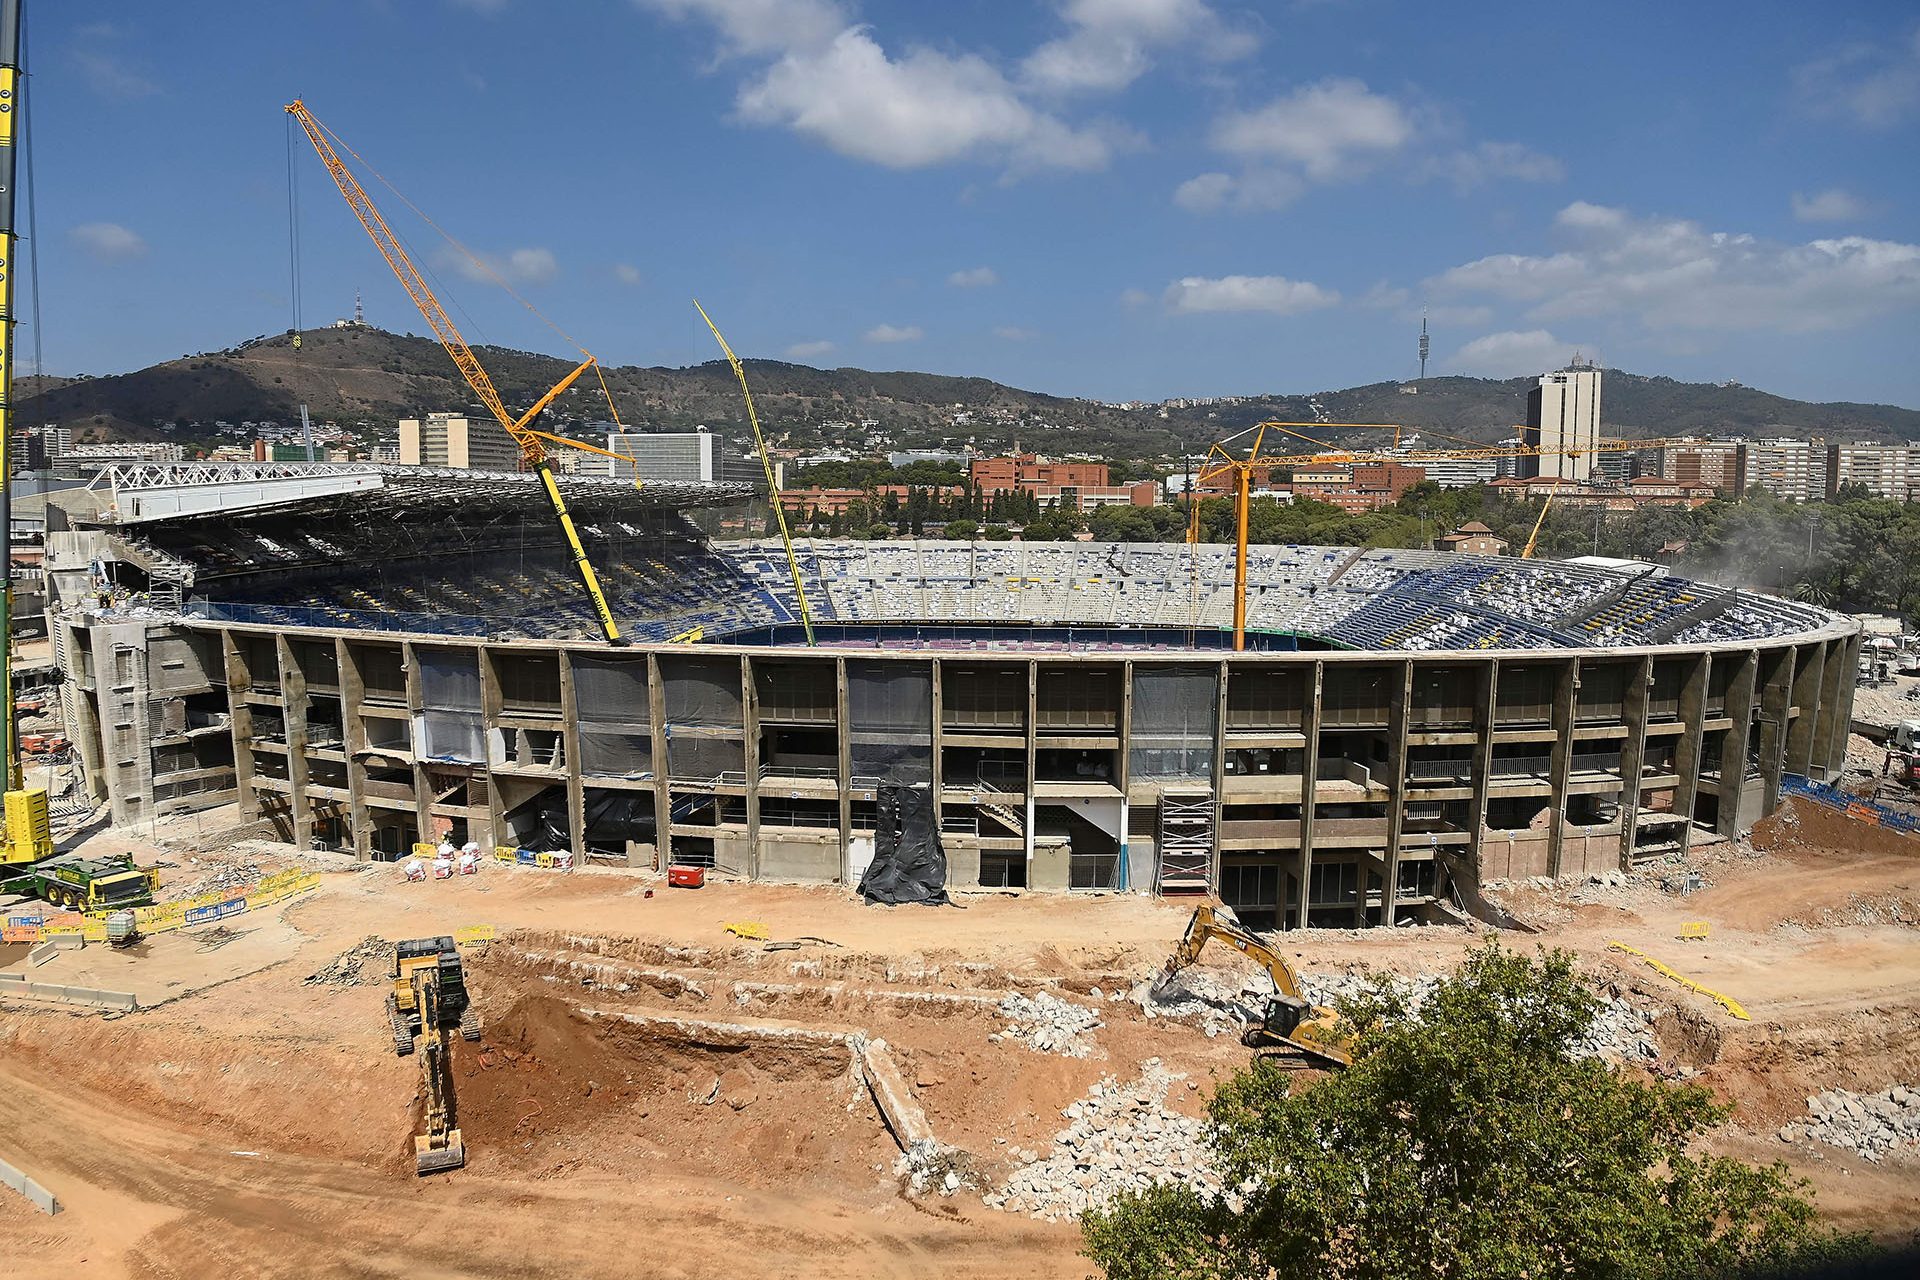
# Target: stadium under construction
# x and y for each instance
(375, 656)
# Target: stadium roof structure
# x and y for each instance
(148, 492)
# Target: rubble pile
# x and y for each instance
(1047, 1024)
(217, 875)
(1123, 1137)
(1620, 1032)
(366, 961)
(1871, 1125)
(927, 1166)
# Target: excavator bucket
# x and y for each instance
(428, 1158)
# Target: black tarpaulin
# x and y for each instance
(909, 864)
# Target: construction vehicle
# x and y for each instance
(428, 1000)
(109, 883)
(1290, 1026)
(532, 444)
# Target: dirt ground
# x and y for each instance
(251, 1123)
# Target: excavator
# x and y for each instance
(1291, 1027)
(429, 999)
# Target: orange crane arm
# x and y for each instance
(529, 441)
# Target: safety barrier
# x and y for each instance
(41, 1198)
(18, 984)
(1855, 807)
(184, 914)
(1728, 1003)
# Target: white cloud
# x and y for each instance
(1673, 274)
(750, 27)
(895, 333)
(1110, 43)
(809, 350)
(1325, 129)
(1475, 166)
(532, 265)
(1831, 205)
(1876, 85)
(1512, 354)
(921, 109)
(974, 278)
(104, 68)
(628, 274)
(1255, 189)
(1014, 333)
(1274, 294)
(107, 242)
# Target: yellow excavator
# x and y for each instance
(429, 999)
(1291, 1026)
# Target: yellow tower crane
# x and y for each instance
(1224, 459)
(532, 449)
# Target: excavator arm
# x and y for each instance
(1290, 1020)
(532, 450)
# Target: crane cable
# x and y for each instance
(486, 268)
(766, 463)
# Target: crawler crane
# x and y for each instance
(533, 450)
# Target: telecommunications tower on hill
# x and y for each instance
(1423, 342)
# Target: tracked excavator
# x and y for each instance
(1291, 1029)
(429, 1000)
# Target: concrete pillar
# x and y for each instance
(1398, 717)
(750, 760)
(662, 791)
(845, 765)
(293, 712)
(1690, 750)
(1309, 789)
(1803, 714)
(1633, 754)
(1560, 765)
(1733, 751)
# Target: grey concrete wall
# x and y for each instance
(41, 1198)
(799, 858)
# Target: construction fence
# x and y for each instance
(184, 914)
(1855, 807)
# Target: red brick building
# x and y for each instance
(1078, 486)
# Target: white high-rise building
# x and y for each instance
(1563, 414)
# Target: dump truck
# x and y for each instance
(1291, 1028)
(428, 999)
(108, 883)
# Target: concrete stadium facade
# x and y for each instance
(1325, 787)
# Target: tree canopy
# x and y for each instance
(1467, 1140)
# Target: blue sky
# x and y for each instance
(1111, 198)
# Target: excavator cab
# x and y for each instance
(413, 961)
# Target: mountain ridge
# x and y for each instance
(364, 375)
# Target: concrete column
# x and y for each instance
(1219, 769)
(842, 710)
(1309, 788)
(1633, 754)
(416, 706)
(492, 707)
(1774, 701)
(570, 750)
(1689, 750)
(293, 711)
(750, 761)
(1561, 760)
(662, 791)
(1733, 751)
(239, 681)
(1398, 717)
(353, 737)
(1484, 721)
(1033, 736)
(1809, 675)
(1123, 775)
(1836, 699)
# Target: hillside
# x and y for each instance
(363, 375)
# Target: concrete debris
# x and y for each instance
(1047, 1024)
(367, 961)
(1871, 1125)
(1620, 1032)
(1122, 1137)
(927, 1167)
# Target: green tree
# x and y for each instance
(962, 530)
(1468, 1141)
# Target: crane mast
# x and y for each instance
(532, 450)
